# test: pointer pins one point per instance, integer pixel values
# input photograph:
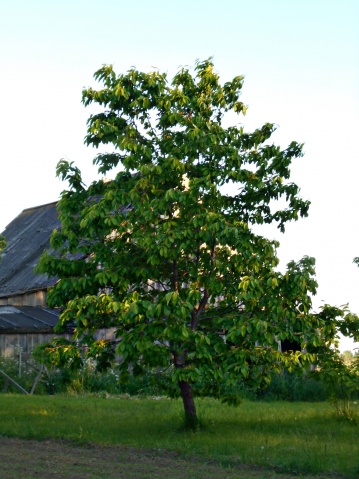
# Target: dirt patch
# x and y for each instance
(27, 459)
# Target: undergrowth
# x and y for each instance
(283, 387)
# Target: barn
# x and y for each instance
(25, 319)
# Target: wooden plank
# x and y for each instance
(37, 379)
(13, 382)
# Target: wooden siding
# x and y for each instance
(11, 342)
(36, 298)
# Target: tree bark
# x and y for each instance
(191, 420)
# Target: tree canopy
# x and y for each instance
(164, 253)
(2, 244)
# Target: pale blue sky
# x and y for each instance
(301, 63)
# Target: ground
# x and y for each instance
(27, 459)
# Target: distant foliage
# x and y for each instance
(2, 244)
(341, 376)
(291, 387)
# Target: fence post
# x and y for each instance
(20, 358)
(6, 385)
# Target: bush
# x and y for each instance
(291, 387)
(87, 379)
(283, 387)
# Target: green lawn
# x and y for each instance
(297, 437)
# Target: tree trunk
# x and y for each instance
(191, 421)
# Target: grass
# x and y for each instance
(302, 438)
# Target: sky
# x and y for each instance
(300, 60)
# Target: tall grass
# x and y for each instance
(85, 380)
(285, 386)
(24, 376)
(296, 437)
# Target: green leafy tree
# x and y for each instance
(165, 255)
(340, 372)
(2, 244)
(347, 357)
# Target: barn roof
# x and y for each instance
(27, 236)
(27, 319)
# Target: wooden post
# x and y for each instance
(6, 385)
(37, 379)
(20, 358)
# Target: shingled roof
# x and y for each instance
(27, 236)
(27, 319)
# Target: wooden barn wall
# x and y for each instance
(105, 334)
(10, 343)
(37, 298)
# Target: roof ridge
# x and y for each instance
(40, 206)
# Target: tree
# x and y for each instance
(347, 357)
(165, 255)
(2, 244)
(340, 372)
